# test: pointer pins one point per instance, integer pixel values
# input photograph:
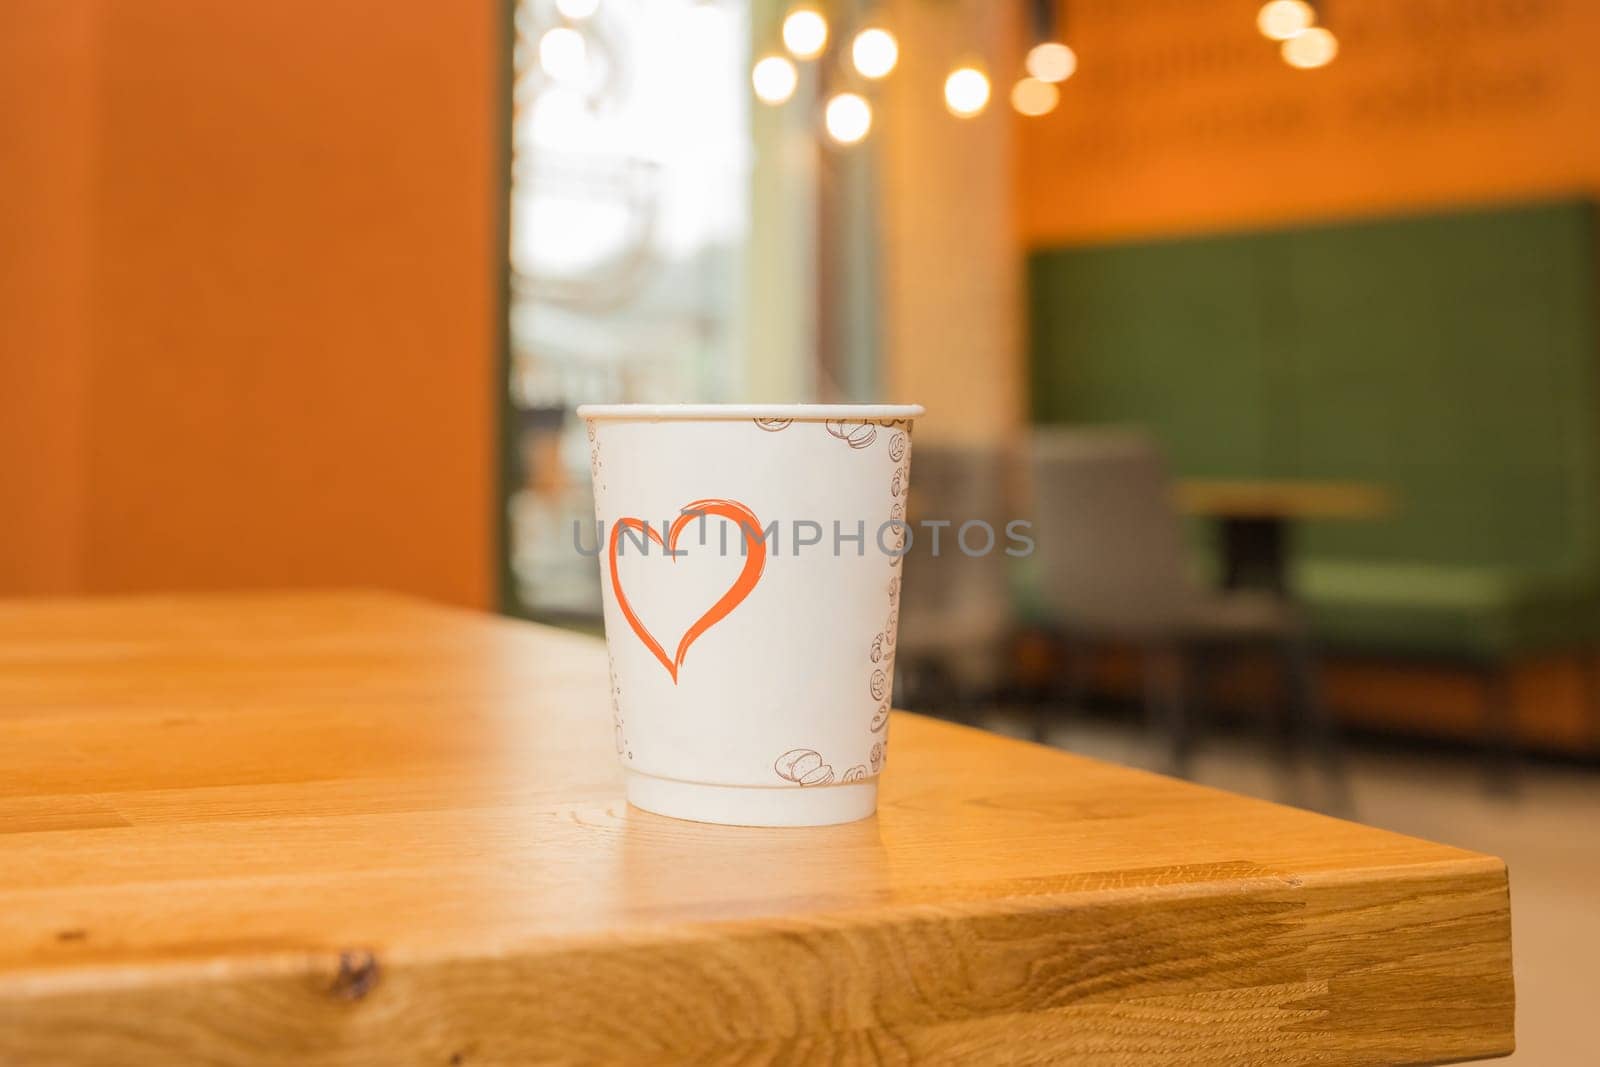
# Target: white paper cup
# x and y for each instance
(751, 671)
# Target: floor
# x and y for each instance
(1548, 833)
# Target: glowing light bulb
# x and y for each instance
(966, 91)
(1280, 20)
(1051, 61)
(805, 32)
(563, 54)
(577, 9)
(1310, 49)
(1033, 97)
(874, 52)
(848, 117)
(774, 79)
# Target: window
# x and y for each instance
(629, 226)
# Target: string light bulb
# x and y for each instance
(577, 9)
(1051, 61)
(774, 79)
(1033, 97)
(805, 32)
(874, 52)
(1310, 49)
(1279, 20)
(966, 91)
(848, 118)
(563, 54)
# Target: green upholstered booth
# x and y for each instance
(1451, 358)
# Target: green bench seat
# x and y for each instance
(1441, 611)
(1452, 358)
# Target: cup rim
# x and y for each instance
(658, 412)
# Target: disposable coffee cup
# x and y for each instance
(750, 566)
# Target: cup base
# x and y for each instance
(732, 805)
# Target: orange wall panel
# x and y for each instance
(1182, 117)
(292, 296)
(46, 118)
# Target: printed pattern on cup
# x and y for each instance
(773, 425)
(855, 434)
(882, 653)
(899, 485)
(596, 466)
(803, 766)
(619, 725)
(895, 539)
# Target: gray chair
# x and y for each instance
(956, 611)
(1110, 566)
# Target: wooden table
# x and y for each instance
(1254, 517)
(341, 829)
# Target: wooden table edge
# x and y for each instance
(70, 979)
(336, 980)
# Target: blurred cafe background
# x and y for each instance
(1279, 321)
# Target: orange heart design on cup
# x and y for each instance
(755, 562)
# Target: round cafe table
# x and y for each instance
(1254, 520)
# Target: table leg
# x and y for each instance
(1255, 553)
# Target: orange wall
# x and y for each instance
(282, 304)
(1182, 117)
(46, 105)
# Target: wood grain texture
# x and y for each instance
(346, 829)
(1284, 499)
